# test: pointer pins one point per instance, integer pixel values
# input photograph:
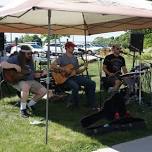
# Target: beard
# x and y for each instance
(29, 59)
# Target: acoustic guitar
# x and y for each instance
(12, 76)
(61, 77)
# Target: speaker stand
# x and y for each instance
(140, 83)
(134, 59)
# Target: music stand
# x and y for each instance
(140, 84)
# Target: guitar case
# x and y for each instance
(123, 124)
(112, 106)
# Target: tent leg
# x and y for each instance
(48, 77)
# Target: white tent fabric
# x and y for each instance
(73, 17)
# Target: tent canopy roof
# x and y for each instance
(73, 17)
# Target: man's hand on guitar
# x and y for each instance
(44, 73)
(111, 74)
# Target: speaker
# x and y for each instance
(2, 40)
(136, 42)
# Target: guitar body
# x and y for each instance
(61, 77)
(12, 76)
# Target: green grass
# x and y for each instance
(65, 133)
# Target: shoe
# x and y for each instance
(24, 113)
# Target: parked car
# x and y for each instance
(90, 47)
(54, 48)
(37, 43)
(34, 47)
(8, 46)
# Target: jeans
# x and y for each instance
(74, 84)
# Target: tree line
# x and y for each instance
(124, 39)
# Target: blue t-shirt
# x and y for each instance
(29, 67)
(65, 60)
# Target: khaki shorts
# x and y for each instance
(34, 85)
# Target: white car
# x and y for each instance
(35, 48)
(90, 48)
(54, 48)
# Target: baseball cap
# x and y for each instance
(68, 44)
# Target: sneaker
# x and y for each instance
(24, 113)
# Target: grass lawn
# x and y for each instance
(65, 133)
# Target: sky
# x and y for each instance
(139, 3)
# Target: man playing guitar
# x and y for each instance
(68, 67)
(26, 84)
(112, 66)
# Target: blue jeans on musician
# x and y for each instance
(74, 84)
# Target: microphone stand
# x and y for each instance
(100, 78)
(87, 73)
(140, 84)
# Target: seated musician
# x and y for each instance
(69, 69)
(23, 61)
(112, 66)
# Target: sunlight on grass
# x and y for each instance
(65, 133)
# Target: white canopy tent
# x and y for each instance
(80, 17)
(73, 17)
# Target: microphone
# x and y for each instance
(81, 50)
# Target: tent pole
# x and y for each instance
(48, 76)
(85, 41)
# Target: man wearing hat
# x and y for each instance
(75, 81)
(113, 65)
(24, 61)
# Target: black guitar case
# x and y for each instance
(113, 105)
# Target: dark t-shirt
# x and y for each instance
(114, 63)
